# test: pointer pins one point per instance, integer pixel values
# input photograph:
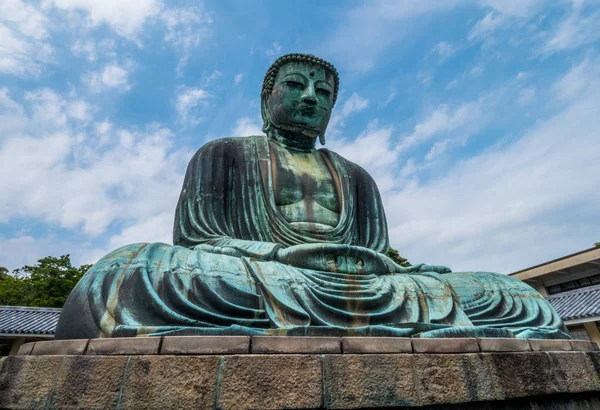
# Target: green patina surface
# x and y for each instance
(274, 236)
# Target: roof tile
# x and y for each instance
(28, 320)
(578, 303)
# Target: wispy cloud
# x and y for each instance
(443, 50)
(575, 30)
(485, 209)
(352, 105)
(367, 30)
(189, 103)
(275, 50)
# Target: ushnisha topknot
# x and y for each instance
(269, 81)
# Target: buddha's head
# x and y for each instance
(298, 94)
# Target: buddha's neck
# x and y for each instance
(294, 141)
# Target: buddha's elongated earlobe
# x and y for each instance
(267, 124)
(322, 139)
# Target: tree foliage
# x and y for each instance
(395, 256)
(46, 284)
(597, 244)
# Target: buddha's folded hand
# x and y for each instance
(334, 258)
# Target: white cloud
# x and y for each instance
(8, 103)
(585, 74)
(189, 102)
(91, 50)
(55, 171)
(24, 45)
(522, 76)
(514, 8)
(576, 30)
(504, 15)
(125, 17)
(537, 193)
(487, 25)
(113, 75)
(246, 126)
(212, 77)
(440, 147)
(156, 228)
(12, 115)
(23, 249)
(467, 117)
(374, 150)
(238, 78)
(352, 105)
(186, 29)
(85, 48)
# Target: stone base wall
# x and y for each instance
(281, 372)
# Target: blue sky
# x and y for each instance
(478, 119)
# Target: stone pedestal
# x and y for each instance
(303, 372)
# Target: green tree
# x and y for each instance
(597, 244)
(12, 288)
(46, 284)
(395, 256)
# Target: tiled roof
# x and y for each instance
(28, 320)
(578, 303)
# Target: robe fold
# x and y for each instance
(223, 276)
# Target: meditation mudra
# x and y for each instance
(275, 237)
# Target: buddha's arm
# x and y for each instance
(219, 209)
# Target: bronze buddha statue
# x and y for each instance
(275, 237)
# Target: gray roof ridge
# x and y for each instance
(584, 289)
(31, 308)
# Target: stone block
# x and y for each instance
(574, 372)
(504, 345)
(376, 345)
(60, 347)
(124, 346)
(170, 382)
(595, 358)
(89, 382)
(27, 381)
(582, 345)
(270, 382)
(454, 345)
(456, 378)
(205, 345)
(524, 374)
(371, 380)
(26, 348)
(549, 345)
(295, 345)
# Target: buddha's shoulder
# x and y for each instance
(229, 145)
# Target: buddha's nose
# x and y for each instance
(309, 96)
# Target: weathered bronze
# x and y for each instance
(275, 237)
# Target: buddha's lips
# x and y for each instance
(307, 110)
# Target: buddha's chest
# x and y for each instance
(304, 187)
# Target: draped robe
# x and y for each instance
(225, 274)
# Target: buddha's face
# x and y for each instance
(302, 99)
